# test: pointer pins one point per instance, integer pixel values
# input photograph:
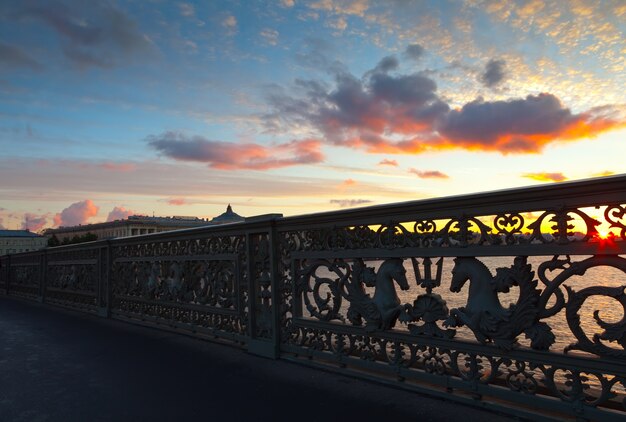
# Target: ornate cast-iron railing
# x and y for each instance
(512, 299)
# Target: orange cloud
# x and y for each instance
(77, 213)
(233, 156)
(522, 125)
(349, 182)
(545, 177)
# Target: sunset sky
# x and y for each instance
(179, 108)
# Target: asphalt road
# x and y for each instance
(58, 365)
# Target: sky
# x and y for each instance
(113, 108)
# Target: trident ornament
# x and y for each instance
(429, 307)
(427, 282)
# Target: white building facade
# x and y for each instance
(16, 241)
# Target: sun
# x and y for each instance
(605, 236)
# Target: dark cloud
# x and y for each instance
(415, 91)
(315, 54)
(429, 174)
(414, 51)
(232, 156)
(494, 73)
(387, 112)
(64, 21)
(345, 203)
(13, 57)
(387, 64)
(359, 112)
(517, 126)
(92, 34)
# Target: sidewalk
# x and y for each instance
(58, 365)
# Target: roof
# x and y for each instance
(228, 216)
(18, 233)
(169, 222)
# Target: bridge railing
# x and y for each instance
(511, 299)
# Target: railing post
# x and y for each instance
(8, 274)
(276, 289)
(104, 280)
(43, 270)
(264, 306)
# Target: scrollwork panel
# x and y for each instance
(200, 282)
(500, 307)
(72, 277)
(25, 280)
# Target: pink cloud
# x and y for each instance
(77, 213)
(33, 222)
(349, 182)
(123, 167)
(177, 201)
(429, 174)
(388, 162)
(233, 156)
(346, 203)
(119, 213)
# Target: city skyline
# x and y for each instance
(179, 108)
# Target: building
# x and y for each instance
(132, 226)
(139, 224)
(227, 217)
(15, 241)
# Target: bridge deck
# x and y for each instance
(64, 366)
